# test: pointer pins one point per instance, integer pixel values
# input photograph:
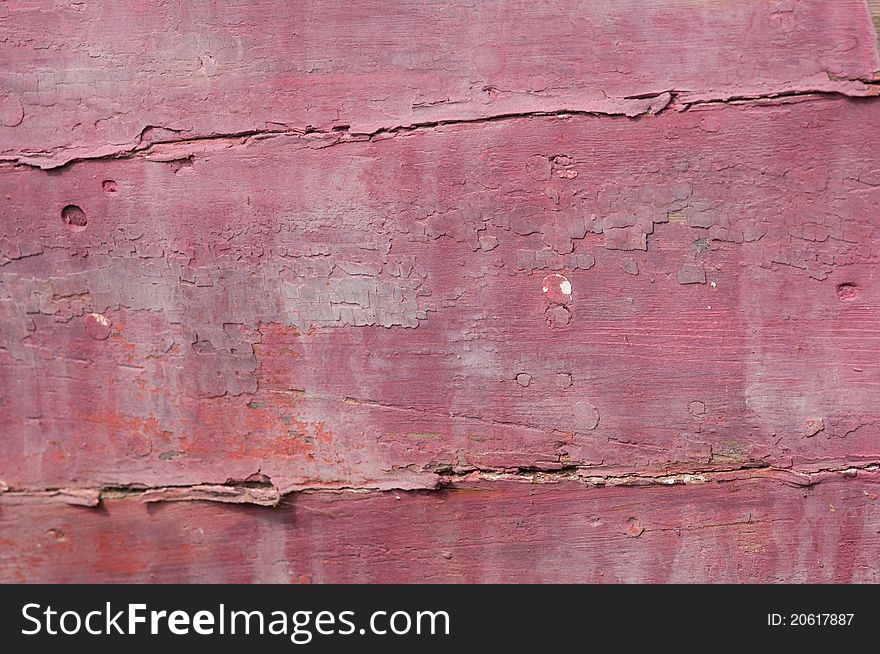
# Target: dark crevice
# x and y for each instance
(259, 490)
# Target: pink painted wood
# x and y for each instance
(752, 530)
(605, 270)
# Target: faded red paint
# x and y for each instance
(736, 306)
(569, 246)
(737, 531)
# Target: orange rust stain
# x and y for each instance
(132, 435)
(324, 435)
(280, 431)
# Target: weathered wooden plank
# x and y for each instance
(329, 312)
(265, 305)
(86, 79)
(752, 530)
(511, 291)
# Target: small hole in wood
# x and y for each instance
(74, 218)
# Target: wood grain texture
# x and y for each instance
(373, 313)
(501, 531)
(564, 264)
(102, 77)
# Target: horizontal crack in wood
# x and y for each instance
(266, 494)
(645, 105)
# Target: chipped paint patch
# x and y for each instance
(556, 288)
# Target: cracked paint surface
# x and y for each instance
(302, 268)
(86, 80)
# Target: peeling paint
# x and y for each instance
(387, 277)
